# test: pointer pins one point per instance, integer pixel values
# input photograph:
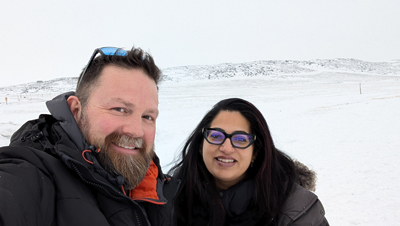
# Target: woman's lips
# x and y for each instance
(225, 161)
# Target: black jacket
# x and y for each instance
(302, 207)
(46, 178)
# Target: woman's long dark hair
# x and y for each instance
(273, 171)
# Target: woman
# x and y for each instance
(232, 174)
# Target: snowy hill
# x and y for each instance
(269, 69)
(281, 68)
(58, 85)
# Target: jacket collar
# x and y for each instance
(59, 109)
(146, 190)
(237, 198)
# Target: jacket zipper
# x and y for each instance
(106, 190)
(93, 184)
(137, 217)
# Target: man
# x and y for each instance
(91, 162)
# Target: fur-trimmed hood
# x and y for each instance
(306, 177)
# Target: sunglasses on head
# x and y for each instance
(240, 140)
(105, 51)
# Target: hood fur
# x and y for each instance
(306, 177)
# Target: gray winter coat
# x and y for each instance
(302, 206)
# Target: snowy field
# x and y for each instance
(351, 140)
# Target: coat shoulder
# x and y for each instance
(302, 207)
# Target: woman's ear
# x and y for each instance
(75, 107)
(254, 156)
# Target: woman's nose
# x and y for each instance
(227, 147)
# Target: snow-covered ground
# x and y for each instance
(350, 139)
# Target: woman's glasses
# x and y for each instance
(240, 140)
(105, 51)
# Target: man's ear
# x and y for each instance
(75, 107)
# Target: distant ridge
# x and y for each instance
(264, 68)
(58, 85)
(281, 67)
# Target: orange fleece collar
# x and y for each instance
(147, 187)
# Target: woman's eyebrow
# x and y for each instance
(236, 131)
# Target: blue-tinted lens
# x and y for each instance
(241, 140)
(113, 51)
(215, 137)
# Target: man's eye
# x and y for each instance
(119, 109)
(148, 117)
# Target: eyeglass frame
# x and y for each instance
(253, 136)
(118, 52)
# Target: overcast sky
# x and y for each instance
(42, 40)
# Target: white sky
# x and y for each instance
(42, 40)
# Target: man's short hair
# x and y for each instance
(136, 58)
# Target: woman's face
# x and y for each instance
(226, 163)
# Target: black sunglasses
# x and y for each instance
(105, 51)
(240, 140)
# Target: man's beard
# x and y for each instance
(132, 167)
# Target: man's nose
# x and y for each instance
(133, 126)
